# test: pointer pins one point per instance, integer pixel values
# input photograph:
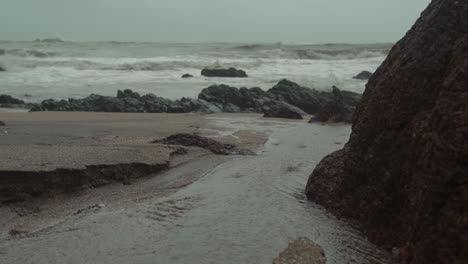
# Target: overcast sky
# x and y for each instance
(311, 21)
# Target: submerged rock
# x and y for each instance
(214, 146)
(187, 76)
(2, 69)
(364, 75)
(403, 173)
(302, 251)
(231, 72)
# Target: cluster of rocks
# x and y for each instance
(403, 175)
(7, 101)
(191, 140)
(285, 100)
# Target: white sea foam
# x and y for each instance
(78, 69)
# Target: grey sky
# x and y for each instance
(312, 21)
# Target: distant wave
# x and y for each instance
(315, 52)
(135, 66)
(28, 53)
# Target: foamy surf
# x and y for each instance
(75, 69)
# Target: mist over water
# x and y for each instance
(61, 70)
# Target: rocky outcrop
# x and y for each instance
(187, 76)
(309, 100)
(284, 111)
(7, 101)
(302, 251)
(335, 110)
(364, 75)
(231, 72)
(191, 140)
(403, 173)
(21, 185)
(282, 100)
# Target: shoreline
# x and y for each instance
(81, 156)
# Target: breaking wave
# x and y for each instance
(28, 53)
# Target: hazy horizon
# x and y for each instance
(297, 21)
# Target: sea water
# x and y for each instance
(61, 70)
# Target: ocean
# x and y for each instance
(41, 70)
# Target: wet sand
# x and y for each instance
(204, 209)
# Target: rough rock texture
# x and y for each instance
(404, 172)
(309, 100)
(302, 251)
(231, 72)
(21, 185)
(7, 101)
(335, 110)
(364, 75)
(284, 111)
(286, 95)
(214, 146)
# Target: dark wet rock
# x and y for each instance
(6, 99)
(2, 123)
(364, 75)
(335, 111)
(127, 93)
(187, 76)
(302, 251)
(214, 99)
(403, 173)
(231, 72)
(309, 100)
(18, 186)
(284, 111)
(2, 69)
(190, 140)
(200, 106)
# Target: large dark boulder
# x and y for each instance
(404, 172)
(6, 99)
(284, 111)
(364, 75)
(309, 100)
(336, 110)
(231, 72)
